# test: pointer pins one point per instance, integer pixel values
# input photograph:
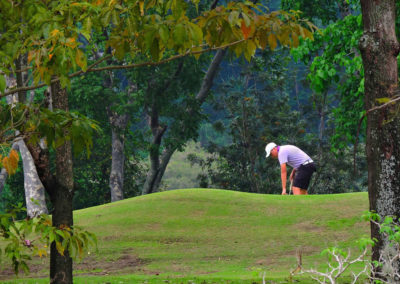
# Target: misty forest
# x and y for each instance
(142, 141)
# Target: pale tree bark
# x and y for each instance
(118, 122)
(34, 190)
(379, 48)
(157, 166)
(117, 166)
(61, 196)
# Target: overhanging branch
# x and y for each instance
(92, 68)
(16, 90)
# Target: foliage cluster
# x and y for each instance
(52, 32)
(336, 70)
(23, 239)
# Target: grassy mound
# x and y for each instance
(215, 235)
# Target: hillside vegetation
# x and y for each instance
(180, 173)
(214, 234)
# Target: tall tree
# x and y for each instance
(379, 48)
(61, 195)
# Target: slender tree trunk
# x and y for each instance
(154, 153)
(165, 158)
(379, 48)
(61, 265)
(34, 190)
(19, 64)
(118, 124)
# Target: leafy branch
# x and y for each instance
(33, 237)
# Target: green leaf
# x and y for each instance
(164, 33)
(3, 84)
(179, 34)
(87, 27)
(150, 34)
(196, 33)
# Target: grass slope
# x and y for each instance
(215, 235)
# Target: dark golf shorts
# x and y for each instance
(303, 175)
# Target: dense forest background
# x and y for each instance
(311, 96)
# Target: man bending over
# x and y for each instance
(303, 166)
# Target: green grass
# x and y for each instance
(215, 236)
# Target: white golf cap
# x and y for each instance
(269, 148)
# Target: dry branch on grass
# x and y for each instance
(341, 261)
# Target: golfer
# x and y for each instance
(303, 166)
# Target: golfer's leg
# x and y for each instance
(303, 192)
(296, 190)
(299, 191)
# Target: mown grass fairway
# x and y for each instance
(214, 235)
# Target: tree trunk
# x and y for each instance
(379, 48)
(34, 190)
(118, 124)
(154, 171)
(165, 158)
(61, 197)
(21, 77)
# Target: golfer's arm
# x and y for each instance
(283, 177)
